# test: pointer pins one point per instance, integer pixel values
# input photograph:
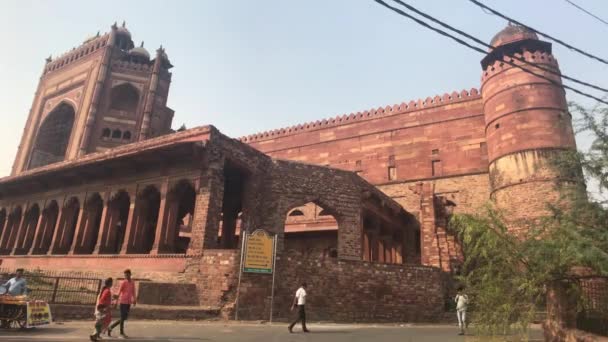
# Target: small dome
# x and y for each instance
(140, 52)
(512, 33)
(123, 30)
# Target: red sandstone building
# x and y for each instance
(101, 182)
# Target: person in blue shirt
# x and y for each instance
(16, 286)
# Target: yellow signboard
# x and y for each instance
(259, 252)
(38, 313)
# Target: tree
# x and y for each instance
(507, 276)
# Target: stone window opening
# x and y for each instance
(435, 151)
(116, 134)
(312, 237)
(106, 132)
(126, 135)
(296, 212)
(392, 173)
(124, 98)
(436, 168)
(53, 136)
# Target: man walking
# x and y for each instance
(462, 300)
(126, 298)
(300, 301)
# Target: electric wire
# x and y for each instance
(479, 41)
(559, 41)
(588, 12)
(462, 42)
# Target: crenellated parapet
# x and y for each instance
(76, 54)
(526, 60)
(412, 106)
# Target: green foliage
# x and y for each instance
(505, 276)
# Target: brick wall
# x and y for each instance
(346, 291)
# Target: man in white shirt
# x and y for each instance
(16, 286)
(462, 300)
(300, 301)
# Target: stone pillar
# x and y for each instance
(56, 234)
(130, 227)
(163, 217)
(81, 222)
(16, 228)
(207, 209)
(38, 233)
(349, 237)
(104, 228)
(5, 230)
(19, 237)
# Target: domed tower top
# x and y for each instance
(513, 39)
(123, 37)
(512, 33)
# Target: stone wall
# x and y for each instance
(346, 291)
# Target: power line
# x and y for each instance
(462, 42)
(587, 54)
(479, 41)
(588, 12)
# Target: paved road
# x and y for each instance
(169, 331)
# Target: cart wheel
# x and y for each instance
(19, 323)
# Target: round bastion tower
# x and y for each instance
(527, 124)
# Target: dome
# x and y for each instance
(512, 33)
(123, 31)
(140, 52)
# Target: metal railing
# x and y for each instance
(64, 290)
(593, 317)
(60, 289)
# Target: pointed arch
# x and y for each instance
(53, 136)
(124, 97)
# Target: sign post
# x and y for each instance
(258, 255)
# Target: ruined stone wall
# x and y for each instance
(346, 291)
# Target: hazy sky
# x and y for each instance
(248, 66)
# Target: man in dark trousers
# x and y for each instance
(126, 298)
(300, 301)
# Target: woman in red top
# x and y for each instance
(105, 299)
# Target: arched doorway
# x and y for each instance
(9, 234)
(67, 227)
(146, 218)
(179, 217)
(42, 242)
(89, 225)
(25, 238)
(118, 215)
(53, 136)
(311, 231)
